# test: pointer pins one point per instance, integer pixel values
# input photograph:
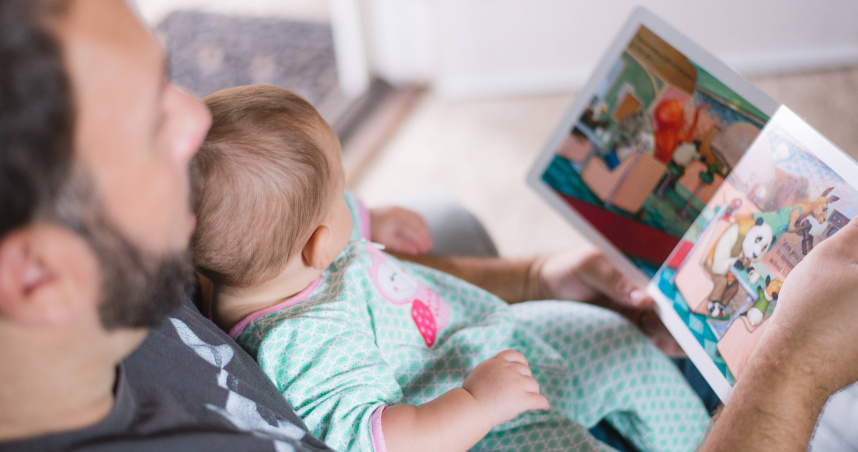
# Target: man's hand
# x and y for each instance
(399, 230)
(503, 385)
(815, 324)
(807, 353)
(589, 277)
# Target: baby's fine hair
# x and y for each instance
(261, 184)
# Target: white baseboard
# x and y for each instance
(572, 78)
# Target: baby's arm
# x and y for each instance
(396, 228)
(496, 391)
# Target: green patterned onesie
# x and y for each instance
(373, 332)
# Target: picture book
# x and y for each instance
(697, 185)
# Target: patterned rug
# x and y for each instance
(208, 52)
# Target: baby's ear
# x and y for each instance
(315, 252)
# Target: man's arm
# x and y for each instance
(511, 280)
(807, 353)
(581, 275)
(771, 408)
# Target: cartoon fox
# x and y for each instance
(764, 298)
(795, 218)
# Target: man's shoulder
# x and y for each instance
(189, 387)
(187, 359)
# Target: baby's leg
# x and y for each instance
(592, 364)
(557, 434)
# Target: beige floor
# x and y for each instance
(481, 151)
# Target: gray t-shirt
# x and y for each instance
(188, 387)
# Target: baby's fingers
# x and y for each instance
(402, 245)
(522, 369)
(512, 355)
(417, 233)
(536, 401)
(530, 385)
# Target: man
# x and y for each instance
(94, 146)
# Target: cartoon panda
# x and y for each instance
(743, 242)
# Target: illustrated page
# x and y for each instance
(655, 142)
(790, 191)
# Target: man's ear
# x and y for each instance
(315, 252)
(46, 276)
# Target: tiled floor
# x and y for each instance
(482, 150)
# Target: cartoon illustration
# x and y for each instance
(397, 286)
(753, 275)
(651, 148)
(670, 120)
(429, 312)
(795, 218)
(765, 296)
(743, 242)
(725, 276)
(757, 232)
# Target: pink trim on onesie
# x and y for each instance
(236, 330)
(364, 218)
(375, 430)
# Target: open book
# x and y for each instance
(697, 185)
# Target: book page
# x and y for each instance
(647, 144)
(790, 191)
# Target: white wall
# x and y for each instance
(473, 48)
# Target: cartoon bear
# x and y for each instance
(743, 242)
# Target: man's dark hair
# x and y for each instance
(36, 114)
(39, 180)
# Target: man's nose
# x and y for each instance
(192, 120)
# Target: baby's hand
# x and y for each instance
(503, 385)
(399, 230)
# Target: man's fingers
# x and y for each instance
(661, 337)
(852, 227)
(640, 299)
(605, 278)
(652, 325)
(669, 347)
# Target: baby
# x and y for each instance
(379, 354)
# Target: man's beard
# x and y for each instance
(138, 288)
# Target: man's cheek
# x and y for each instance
(84, 268)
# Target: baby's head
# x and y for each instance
(269, 197)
